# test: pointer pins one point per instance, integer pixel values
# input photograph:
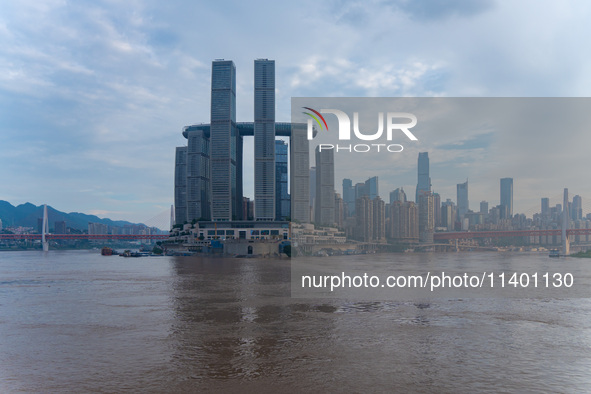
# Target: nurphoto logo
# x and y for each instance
(391, 123)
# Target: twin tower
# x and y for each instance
(208, 171)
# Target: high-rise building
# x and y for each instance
(545, 207)
(299, 174)
(379, 220)
(397, 195)
(463, 204)
(361, 190)
(448, 214)
(264, 140)
(282, 201)
(404, 226)
(180, 185)
(437, 209)
(311, 210)
(426, 217)
(576, 210)
(349, 197)
(213, 185)
(198, 205)
(324, 207)
(59, 227)
(423, 179)
(364, 219)
(372, 187)
(506, 198)
(224, 141)
(339, 208)
(484, 207)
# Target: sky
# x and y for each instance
(94, 94)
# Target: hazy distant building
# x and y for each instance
(403, 221)
(379, 220)
(448, 214)
(437, 209)
(372, 187)
(339, 208)
(426, 217)
(349, 197)
(324, 207)
(361, 190)
(423, 179)
(299, 152)
(312, 211)
(264, 140)
(576, 210)
(397, 195)
(59, 227)
(506, 198)
(364, 219)
(484, 207)
(463, 204)
(545, 207)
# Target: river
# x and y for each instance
(75, 321)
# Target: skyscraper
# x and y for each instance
(224, 140)
(379, 219)
(372, 187)
(463, 204)
(349, 197)
(426, 217)
(576, 208)
(324, 207)
(404, 225)
(312, 210)
(436, 209)
(180, 185)
(364, 219)
(299, 151)
(448, 214)
(282, 202)
(545, 207)
(264, 139)
(198, 182)
(423, 179)
(506, 198)
(484, 207)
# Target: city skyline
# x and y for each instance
(94, 95)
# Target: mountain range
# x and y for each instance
(26, 215)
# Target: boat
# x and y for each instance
(106, 251)
(554, 253)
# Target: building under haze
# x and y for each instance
(324, 207)
(463, 204)
(506, 198)
(423, 178)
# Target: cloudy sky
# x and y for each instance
(94, 94)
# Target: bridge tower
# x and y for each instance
(172, 223)
(45, 230)
(565, 224)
